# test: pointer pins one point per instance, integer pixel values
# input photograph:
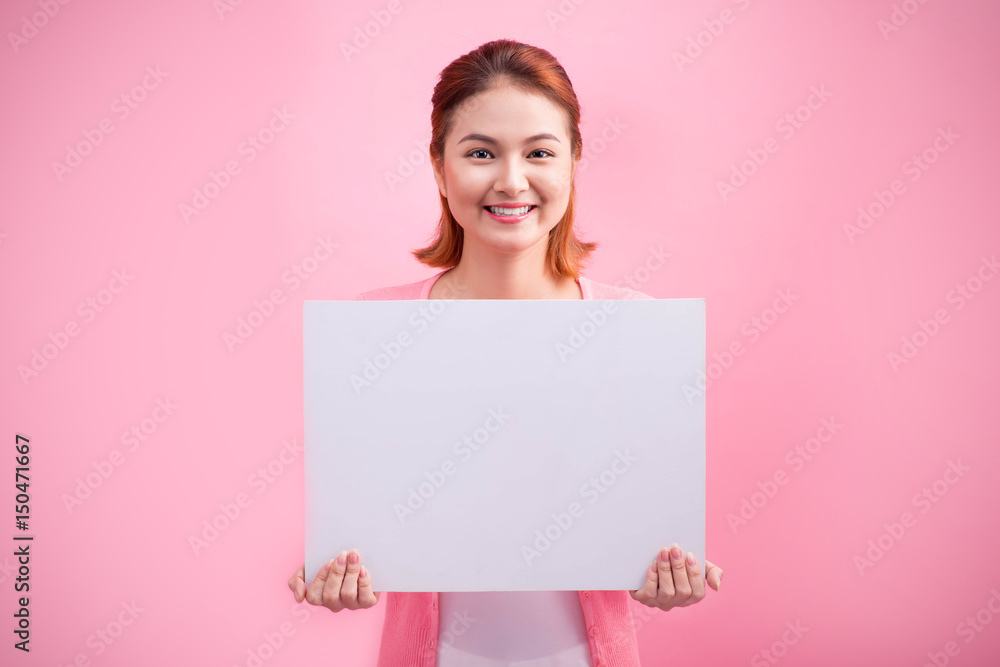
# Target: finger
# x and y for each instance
(297, 574)
(647, 593)
(298, 584)
(331, 590)
(349, 589)
(694, 576)
(314, 594)
(682, 586)
(665, 590)
(366, 598)
(713, 574)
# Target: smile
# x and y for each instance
(509, 215)
(508, 212)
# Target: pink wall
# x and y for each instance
(902, 123)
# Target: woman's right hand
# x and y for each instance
(342, 583)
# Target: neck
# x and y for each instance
(505, 277)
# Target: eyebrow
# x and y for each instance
(491, 140)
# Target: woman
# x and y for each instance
(505, 146)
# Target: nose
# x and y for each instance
(512, 177)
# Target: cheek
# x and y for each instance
(557, 186)
(467, 186)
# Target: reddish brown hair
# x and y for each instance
(534, 70)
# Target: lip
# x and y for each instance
(510, 219)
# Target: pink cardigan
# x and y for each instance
(410, 629)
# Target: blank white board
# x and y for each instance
(504, 445)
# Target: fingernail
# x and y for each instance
(691, 560)
(665, 555)
(364, 572)
(676, 551)
(354, 557)
(342, 558)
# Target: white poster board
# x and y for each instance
(504, 445)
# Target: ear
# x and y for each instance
(439, 177)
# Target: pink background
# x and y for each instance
(654, 184)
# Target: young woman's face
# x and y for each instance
(507, 147)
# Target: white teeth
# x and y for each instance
(509, 211)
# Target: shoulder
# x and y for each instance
(602, 291)
(406, 291)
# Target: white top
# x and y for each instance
(512, 629)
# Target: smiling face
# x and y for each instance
(507, 146)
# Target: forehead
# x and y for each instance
(508, 114)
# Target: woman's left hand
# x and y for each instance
(675, 581)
